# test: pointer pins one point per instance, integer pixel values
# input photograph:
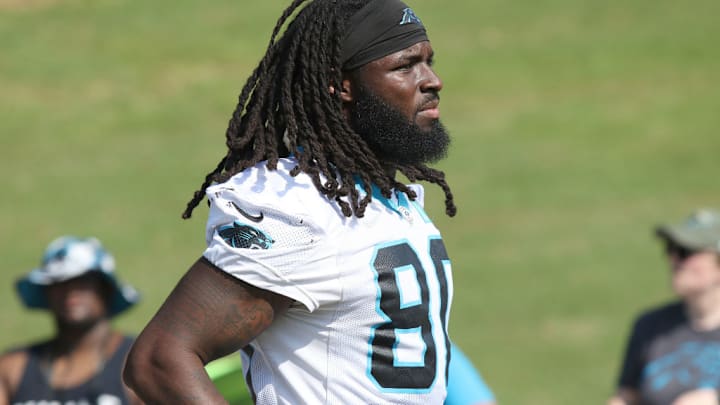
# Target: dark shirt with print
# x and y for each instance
(665, 357)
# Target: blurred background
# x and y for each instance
(578, 126)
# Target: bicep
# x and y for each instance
(212, 314)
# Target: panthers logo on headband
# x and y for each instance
(409, 17)
(239, 235)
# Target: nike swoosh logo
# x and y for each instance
(254, 218)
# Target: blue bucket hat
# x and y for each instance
(68, 257)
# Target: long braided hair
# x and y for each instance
(286, 106)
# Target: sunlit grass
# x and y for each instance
(577, 127)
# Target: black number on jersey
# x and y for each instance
(406, 309)
(439, 257)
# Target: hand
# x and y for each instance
(703, 396)
(625, 396)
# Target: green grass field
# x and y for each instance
(577, 125)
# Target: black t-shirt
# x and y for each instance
(104, 388)
(665, 357)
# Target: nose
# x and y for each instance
(430, 81)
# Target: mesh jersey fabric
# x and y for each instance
(369, 325)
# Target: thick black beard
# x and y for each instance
(392, 136)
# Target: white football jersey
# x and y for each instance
(372, 295)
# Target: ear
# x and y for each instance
(346, 90)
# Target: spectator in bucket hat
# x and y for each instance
(82, 362)
(673, 353)
(67, 258)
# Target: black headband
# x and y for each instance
(379, 29)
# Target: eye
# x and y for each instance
(405, 66)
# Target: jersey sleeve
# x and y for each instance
(268, 240)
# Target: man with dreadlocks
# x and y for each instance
(321, 266)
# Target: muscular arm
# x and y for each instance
(208, 315)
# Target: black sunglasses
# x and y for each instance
(681, 252)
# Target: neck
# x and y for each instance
(71, 338)
(703, 310)
(77, 353)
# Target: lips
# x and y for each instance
(431, 109)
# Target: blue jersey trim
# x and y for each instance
(465, 385)
(402, 207)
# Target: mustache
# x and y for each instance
(432, 97)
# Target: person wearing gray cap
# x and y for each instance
(82, 363)
(673, 354)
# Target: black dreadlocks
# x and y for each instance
(285, 106)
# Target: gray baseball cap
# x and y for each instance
(69, 257)
(700, 231)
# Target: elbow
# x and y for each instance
(157, 368)
(143, 368)
(136, 364)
